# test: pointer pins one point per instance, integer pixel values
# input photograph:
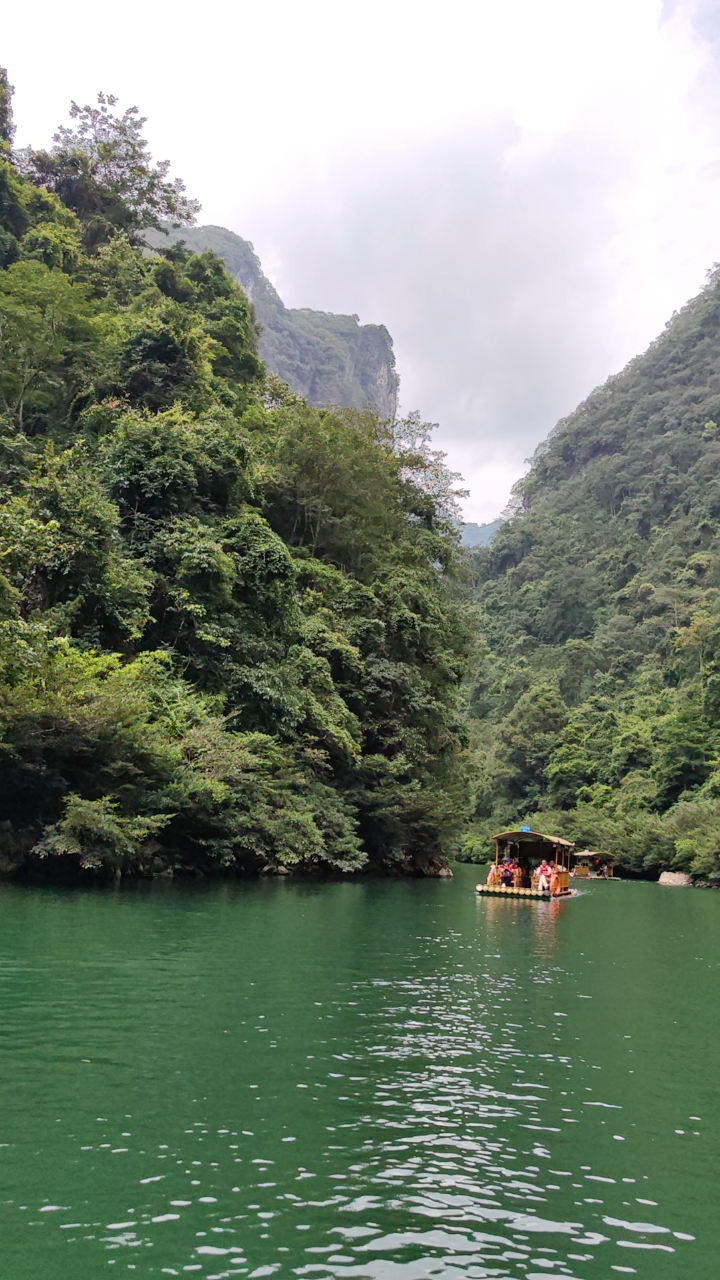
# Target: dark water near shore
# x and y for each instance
(382, 1080)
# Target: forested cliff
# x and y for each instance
(596, 702)
(326, 358)
(227, 634)
(235, 626)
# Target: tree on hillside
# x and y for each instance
(103, 171)
(50, 340)
(7, 127)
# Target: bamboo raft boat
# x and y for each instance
(520, 853)
(593, 866)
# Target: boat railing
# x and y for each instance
(522, 880)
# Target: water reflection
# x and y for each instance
(439, 1118)
(457, 1126)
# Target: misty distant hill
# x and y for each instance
(326, 358)
(478, 535)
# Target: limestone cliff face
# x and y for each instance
(327, 358)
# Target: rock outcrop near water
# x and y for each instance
(326, 358)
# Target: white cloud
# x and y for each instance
(521, 192)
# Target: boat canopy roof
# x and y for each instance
(593, 853)
(532, 837)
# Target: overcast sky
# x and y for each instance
(523, 192)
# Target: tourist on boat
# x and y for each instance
(554, 882)
(506, 874)
(493, 875)
(544, 875)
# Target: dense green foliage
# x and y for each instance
(7, 130)
(596, 700)
(227, 638)
(326, 358)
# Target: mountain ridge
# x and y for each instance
(325, 357)
(479, 535)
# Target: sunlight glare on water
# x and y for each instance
(380, 1079)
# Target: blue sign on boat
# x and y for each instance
(524, 828)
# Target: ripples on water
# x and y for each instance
(438, 1116)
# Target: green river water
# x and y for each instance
(387, 1080)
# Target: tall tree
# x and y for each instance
(103, 171)
(7, 127)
